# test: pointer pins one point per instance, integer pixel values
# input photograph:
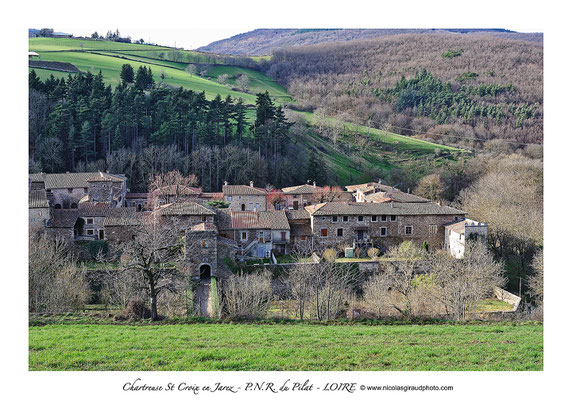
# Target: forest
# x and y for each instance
(142, 128)
(463, 89)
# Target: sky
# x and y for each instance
(186, 38)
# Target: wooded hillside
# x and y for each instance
(450, 87)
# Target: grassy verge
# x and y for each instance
(286, 347)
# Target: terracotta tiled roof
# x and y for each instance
(212, 195)
(73, 180)
(185, 208)
(301, 189)
(235, 190)
(37, 199)
(259, 220)
(340, 208)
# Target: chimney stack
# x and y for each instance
(225, 183)
(408, 190)
(251, 184)
(379, 181)
(314, 183)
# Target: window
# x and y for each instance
(204, 243)
(383, 218)
(340, 232)
(229, 198)
(408, 230)
(90, 221)
(258, 206)
(360, 218)
(345, 218)
(374, 218)
(383, 231)
(250, 206)
(70, 190)
(243, 235)
(393, 218)
(282, 235)
(90, 231)
(335, 218)
(84, 190)
(432, 229)
(303, 237)
(324, 232)
(203, 218)
(48, 190)
(323, 218)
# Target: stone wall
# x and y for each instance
(508, 297)
(201, 248)
(423, 228)
(250, 202)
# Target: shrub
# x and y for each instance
(246, 295)
(373, 253)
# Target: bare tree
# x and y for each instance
(375, 293)
(191, 69)
(327, 194)
(222, 79)
(401, 274)
(431, 187)
(536, 280)
(247, 295)
(171, 187)
(462, 283)
(56, 283)
(243, 83)
(155, 252)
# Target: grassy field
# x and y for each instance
(286, 347)
(90, 55)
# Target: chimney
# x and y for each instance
(407, 190)
(440, 203)
(225, 183)
(251, 184)
(308, 181)
(379, 181)
(314, 183)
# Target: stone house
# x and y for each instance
(244, 198)
(375, 192)
(297, 197)
(457, 234)
(300, 227)
(189, 213)
(139, 201)
(65, 191)
(201, 250)
(381, 224)
(256, 234)
(174, 194)
(38, 208)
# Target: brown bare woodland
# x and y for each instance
(342, 78)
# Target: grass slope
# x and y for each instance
(286, 347)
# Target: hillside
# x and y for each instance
(355, 153)
(261, 42)
(465, 89)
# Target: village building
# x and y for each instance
(457, 234)
(65, 191)
(139, 201)
(244, 198)
(201, 250)
(256, 234)
(38, 209)
(376, 192)
(187, 213)
(381, 225)
(300, 228)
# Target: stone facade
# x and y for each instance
(244, 198)
(201, 250)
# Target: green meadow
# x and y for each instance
(301, 346)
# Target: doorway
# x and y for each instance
(205, 271)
